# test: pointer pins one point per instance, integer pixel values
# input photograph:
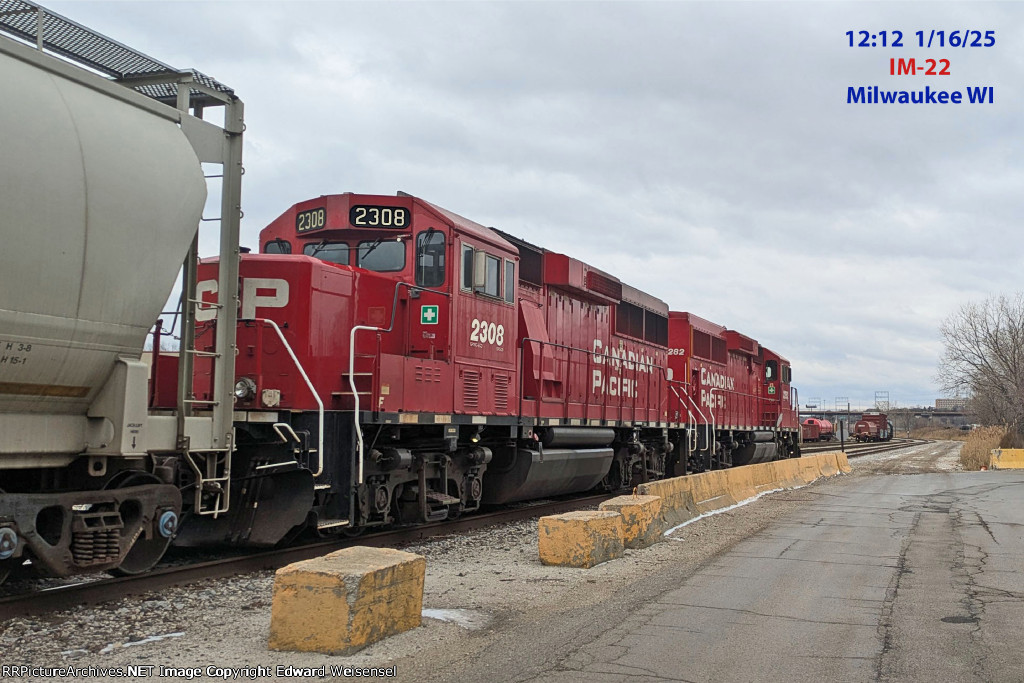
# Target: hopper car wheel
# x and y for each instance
(146, 552)
(8, 545)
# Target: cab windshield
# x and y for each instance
(332, 252)
(382, 255)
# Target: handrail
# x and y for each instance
(352, 363)
(692, 436)
(714, 428)
(312, 390)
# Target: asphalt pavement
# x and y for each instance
(875, 576)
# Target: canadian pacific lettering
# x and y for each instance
(616, 374)
(712, 385)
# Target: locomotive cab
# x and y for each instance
(377, 326)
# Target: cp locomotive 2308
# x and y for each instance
(399, 363)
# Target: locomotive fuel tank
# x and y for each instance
(760, 448)
(518, 474)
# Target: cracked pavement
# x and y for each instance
(904, 570)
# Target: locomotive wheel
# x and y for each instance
(145, 552)
(353, 532)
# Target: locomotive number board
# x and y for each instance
(310, 220)
(379, 217)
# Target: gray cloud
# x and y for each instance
(703, 152)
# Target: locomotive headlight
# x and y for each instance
(245, 389)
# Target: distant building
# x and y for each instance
(950, 404)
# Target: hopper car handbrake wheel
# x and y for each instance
(145, 552)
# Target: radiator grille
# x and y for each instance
(471, 389)
(501, 393)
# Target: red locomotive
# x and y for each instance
(400, 363)
(381, 361)
(873, 426)
(815, 429)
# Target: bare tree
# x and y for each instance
(984, 358)
(903, 419)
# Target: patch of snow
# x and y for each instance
(133, 643)
(731, 507)
(466, 618)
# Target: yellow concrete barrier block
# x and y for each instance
(641, 519)
(828, 464)
(1006, 459)
(580, 539)
(764, 476)
(740, 482)
(808, 469)
(677, 502)
(711, 491)
(342, 602)
(787, 473)
(843, 463)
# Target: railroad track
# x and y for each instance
(853, 449)
(102, 590)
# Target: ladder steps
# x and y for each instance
(331, 523)
(443, 499)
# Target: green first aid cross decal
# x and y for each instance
(428, 315)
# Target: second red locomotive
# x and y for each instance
(873, 426)
(398, 363)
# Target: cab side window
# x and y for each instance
(510, 281)
(771, 371)
(430, 259)
(491, 285)
(467, 268)
(483, 273)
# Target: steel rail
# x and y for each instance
(854, 450)
(108, 589)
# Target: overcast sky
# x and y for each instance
(704, 152)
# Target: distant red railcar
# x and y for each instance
(815, 429)
(398, 362)
(873, 426)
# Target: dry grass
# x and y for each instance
(976, 448)
(940, 434)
